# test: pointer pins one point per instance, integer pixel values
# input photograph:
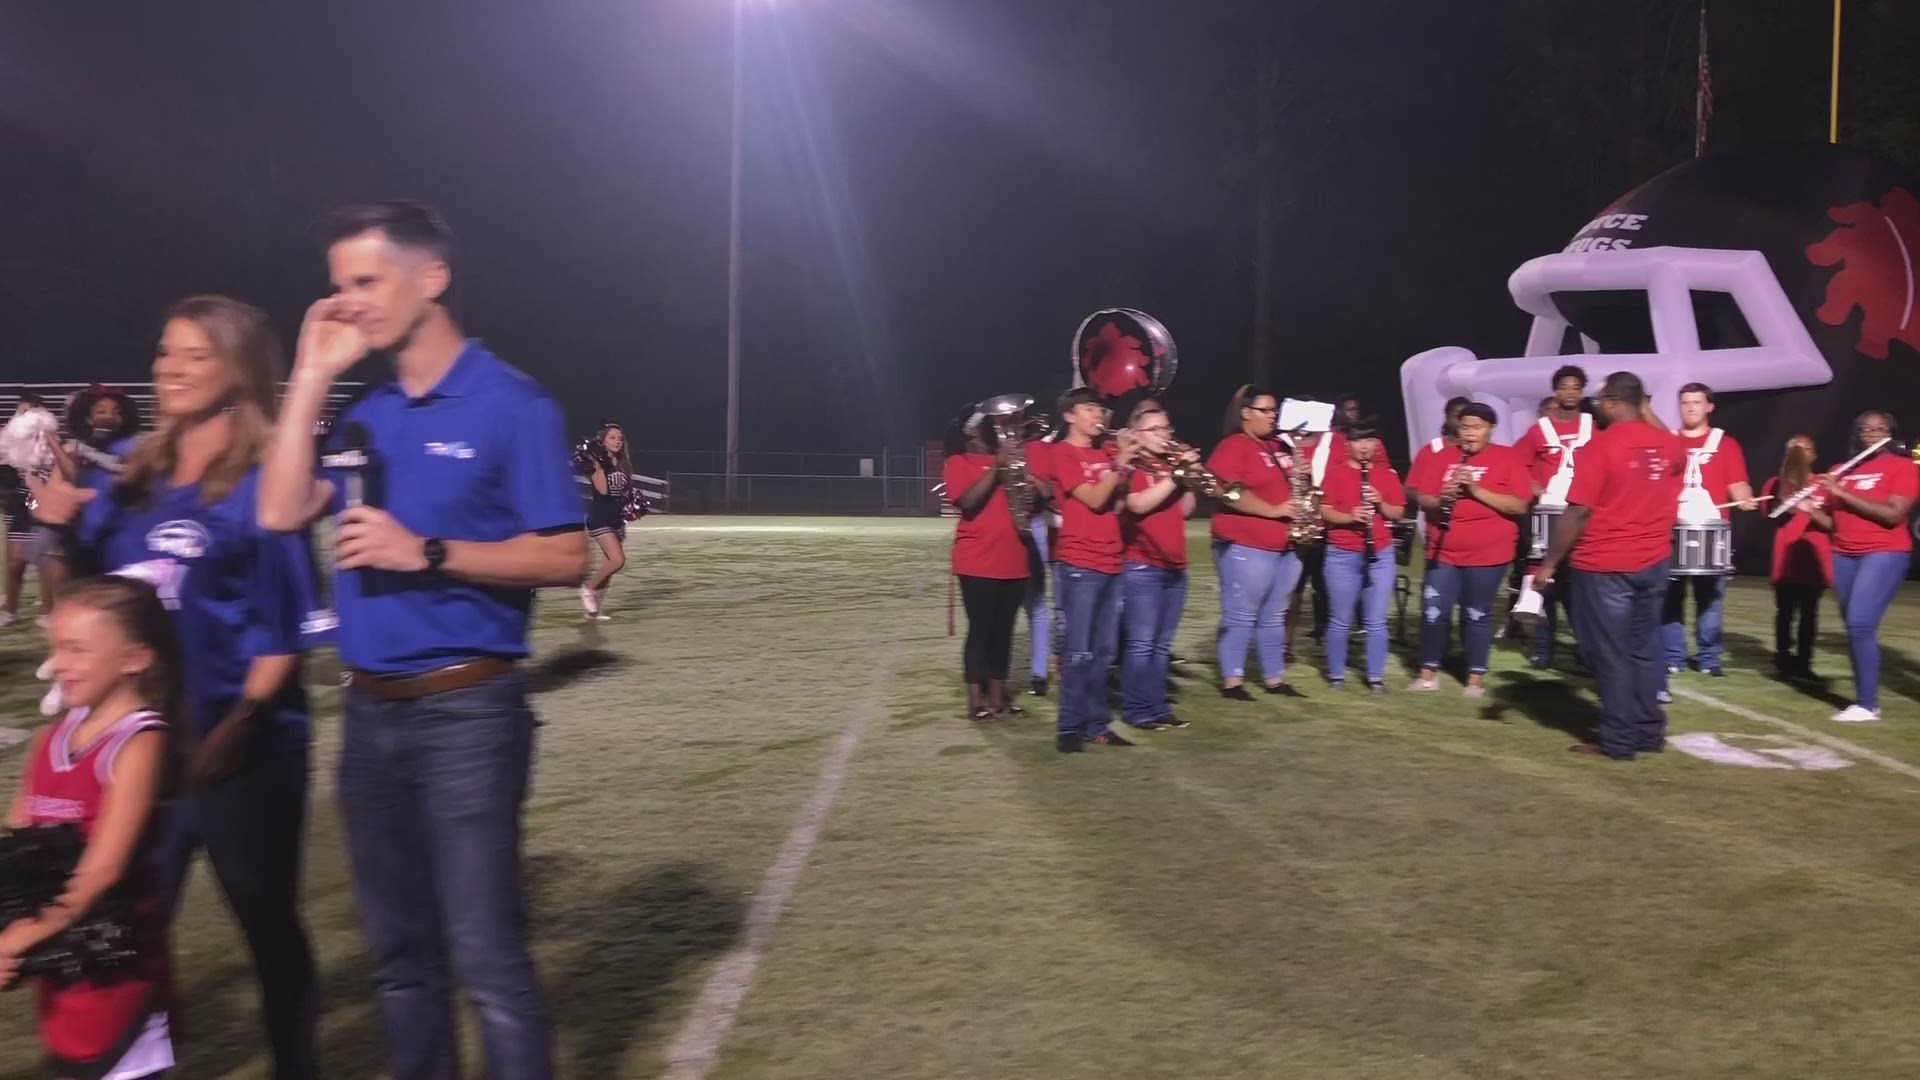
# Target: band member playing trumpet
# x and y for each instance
(1716, 472)
(1866, 511)
(1479, 489)
(1617, 533)
(1360, 495)
(1802, 564)
(1253, 544)
(1154, 586)
(990, 561)
(1089, 484)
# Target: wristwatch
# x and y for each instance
(436, 552)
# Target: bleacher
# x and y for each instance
(56, 395)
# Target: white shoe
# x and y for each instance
(589, 601)
(1856, 714)
(45, 671)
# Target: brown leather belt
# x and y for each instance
(427, 683)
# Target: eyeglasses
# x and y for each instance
(1269, 410)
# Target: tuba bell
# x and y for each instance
(1012, 426)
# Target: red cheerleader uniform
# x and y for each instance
(112, 1028)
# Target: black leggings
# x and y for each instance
(993, 606)
(1787, 600)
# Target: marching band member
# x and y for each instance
(1041, 602)
(1317, 449)
(1716, 471)
(1617, 534)
(1253, 544)
(990, 559)
(1089, 484)
(1802, 564)
(1360, 495)
(1548, 447)
(612, 476)
(1419, 473)
(1154, 531)
(1866, 511)
(1479, 488)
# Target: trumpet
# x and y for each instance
(1195, 476)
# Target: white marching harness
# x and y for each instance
(1702, 536)
(1545, 516)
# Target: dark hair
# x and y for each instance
(1893, 426)
(30, 397)
(1451, 412)
(625, 461)
(1074, 398)
(1626, 388)
(1696, 388)
(136, 608)
(1360, 429)
(1569, 370)
(1483, 412)
(1243, 398)
(407, 223)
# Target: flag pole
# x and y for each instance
(1833, 101)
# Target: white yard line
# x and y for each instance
(696, 1047)
(1842, 745)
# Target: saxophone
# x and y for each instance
(1308, 526)
(1008, 415)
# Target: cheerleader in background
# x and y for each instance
(612, 479)
(990, 558)
(105, 768)
(1802, 564)
(26, 455)
(1866, 511)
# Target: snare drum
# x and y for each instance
(1703, 550)
(1545, 520)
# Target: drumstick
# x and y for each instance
(1737, 502)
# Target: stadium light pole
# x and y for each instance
(733, 268)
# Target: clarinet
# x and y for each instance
(1366, 527)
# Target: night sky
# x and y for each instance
(937, 191)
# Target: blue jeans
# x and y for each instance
(1155, 597)
(1344, 590)
(1039, 611)
(1546, 629)
(1708, 594)
(1091, 600)
(1865, 586)
(1472, 589)
(1617, 617)
(430, 795)
(1255, 588)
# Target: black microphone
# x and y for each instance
(353, 459)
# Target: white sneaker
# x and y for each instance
(1856, 714)
(589, 601)
(45, 671)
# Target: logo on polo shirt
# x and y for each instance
(450, 449)
(1865, 482)
(180, 539)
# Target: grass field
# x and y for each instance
(1407, 888)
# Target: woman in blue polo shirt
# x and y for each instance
(181, 515)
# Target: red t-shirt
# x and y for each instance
(1420, 471)
(1341, 491)
(1727, 466)
(1542, 458)
(1158, 538)
(985, 543)
(1089, 538)
(1265, 467)
(1802, 555)
(1479, 535)
(1877, 479)
(1630, 478)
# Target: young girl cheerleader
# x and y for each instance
(104, 768)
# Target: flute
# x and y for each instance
(1800, 496)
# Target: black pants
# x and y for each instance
(993, 606)
(252, 825)
(1789, 599)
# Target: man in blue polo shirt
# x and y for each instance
(468, 505)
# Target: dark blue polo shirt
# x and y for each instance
(481, 456)
(236, 591)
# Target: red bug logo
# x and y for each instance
(1874, 247)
